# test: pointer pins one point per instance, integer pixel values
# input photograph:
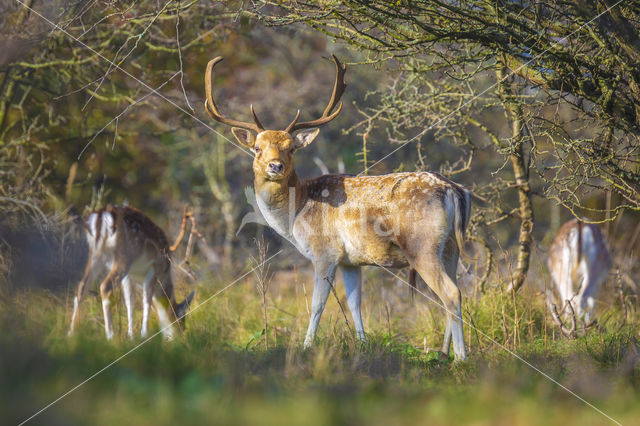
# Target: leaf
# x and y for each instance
(257, 335)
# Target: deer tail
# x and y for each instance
(461, 215)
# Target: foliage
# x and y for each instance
(550, 87)
(115, 94)
(581, 54)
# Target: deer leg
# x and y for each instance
(106, 291)
(412, 283)
(446, 344)
(453, 302)
(451, 265)
(147, 297)
(323, 276)
(163, 304)
(352, 277)
(163, 307)
(127, 291)
(445, 287)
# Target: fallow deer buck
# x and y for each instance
(394, 220)
(118, 236)
(579, 263)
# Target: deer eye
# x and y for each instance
(257, 150)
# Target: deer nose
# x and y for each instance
(276, 167)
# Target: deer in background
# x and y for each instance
(118, 236)
(394, 220)
(579, 263)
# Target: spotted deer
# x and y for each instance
(393, 220)
(118, 236)
(579, 263)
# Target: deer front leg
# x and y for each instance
(147, 297)
(324, 273)
(106, 291)
(352, 277)
(127, 290)
(446, 344)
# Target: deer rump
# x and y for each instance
(579, 263)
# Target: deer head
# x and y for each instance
(274, 149)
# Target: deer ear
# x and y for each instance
(183, 307)
(189, 298)
(244, 136)
(305, 137)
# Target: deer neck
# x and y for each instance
(279, 201)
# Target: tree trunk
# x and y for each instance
(521, 178)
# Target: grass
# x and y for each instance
(220, 372)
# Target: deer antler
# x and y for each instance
(573, 331)
(338, 90)
(568, 332)
(188, 213)
(212, 109)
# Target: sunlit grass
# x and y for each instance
(219, 371)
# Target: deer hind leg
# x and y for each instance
(127, 291)
(451, 254)
(352, 277)
(435, 275)
(324, 273)
(148, 287)
(106, 292)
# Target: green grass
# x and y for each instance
(219, 371)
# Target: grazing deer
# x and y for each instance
(393, 220)
(118, 236)
(579, 263)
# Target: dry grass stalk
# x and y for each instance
(263, 278)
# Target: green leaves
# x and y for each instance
(256, 335)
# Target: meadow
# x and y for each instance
(226, 370)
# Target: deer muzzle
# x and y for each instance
(275, 168)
